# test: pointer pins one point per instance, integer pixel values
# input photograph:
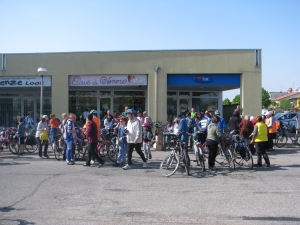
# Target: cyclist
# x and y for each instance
(202, 125)
(270, 122)
(183, 127)
(222, 123)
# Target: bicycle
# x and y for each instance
(171, 162)
(282, 136)
(58, 146)
(241, 151)
(199, 154)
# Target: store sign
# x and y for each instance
(25, 81)
(108, 80)
(202, 79)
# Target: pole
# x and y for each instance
(41, 98)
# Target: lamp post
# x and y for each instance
(41, 72)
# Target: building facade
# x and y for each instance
(162, 82)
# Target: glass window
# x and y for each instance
(129, 93)
(184, 93)
(205, 94)
(10, 111)
(172, 108)
(208, 104)
(171, 94)
(184, 105)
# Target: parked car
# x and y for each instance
(289, 119)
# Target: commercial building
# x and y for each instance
(162, 82)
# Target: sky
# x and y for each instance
(273, 26)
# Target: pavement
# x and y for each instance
(47, 191)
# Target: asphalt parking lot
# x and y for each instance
(47, 191)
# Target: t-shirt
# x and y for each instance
(53, 123)
(69, 126)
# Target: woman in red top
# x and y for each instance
(53, 127)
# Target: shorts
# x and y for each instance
(21, 140)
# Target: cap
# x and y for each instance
(217, 112)
(145, 112)
(45, 117)
(93, 111)
(130, 111)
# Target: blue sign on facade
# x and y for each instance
(204, 79)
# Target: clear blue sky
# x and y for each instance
(109, 25)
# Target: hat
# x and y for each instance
(130, 111)
(45, 117)
(145, 112)
(217, 112)
(206, 112)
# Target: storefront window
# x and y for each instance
(10, 111)
(172, 107)
(205, 94)
(47, 105)
(132, 99)
(81, 100)
(205, 104)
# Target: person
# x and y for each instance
(134, 139)
(125, 110)
(222, 123)
(270, 122)
(202, 126)
(147, 137)
(234, 121)
(116, 117)
(109, 122)
(168, 129)
(28, 122)
(92, 134)
(191, 125)
(62, 131)
(54, 125)
(260, 140)
(147, 118)
(84, 115)
(21, 136)
(42, 127)
(213, 138)
(193, 113)
(238, 109)
(74, 134)
(96, 120)
(139, 116)
(297, 126)
(176, 125)
(246, 128)
(107, 114)
(69, 138)
(121, 142)
(183, 129)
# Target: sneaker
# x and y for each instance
(86, 164)
(92, 162)
(101, 164)
(212, 168)
(126, 167)
(70, 163)
(45, 157)
(145, 165)
(150, 156)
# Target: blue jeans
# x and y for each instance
(122, 153)
(52, 134)
(39, 144)
(69, 145)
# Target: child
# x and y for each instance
(168, 129)
(147, 137)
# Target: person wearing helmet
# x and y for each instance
(42, 126)
(222, 123)
(202, 126)
(147, 137)
(134, 138)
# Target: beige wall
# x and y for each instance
(61, 65)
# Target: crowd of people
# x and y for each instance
(134, 131)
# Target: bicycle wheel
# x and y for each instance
(280, 140)
(13, 146)
(112, 153)
(31, 148)
(102, 151)
(200, 159)
(229, 159)
(58, 153)
(169, 165)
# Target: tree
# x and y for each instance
(226, 101)
(265, 97)
(236, 100)
(285, 104)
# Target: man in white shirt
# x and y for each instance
(134, 138)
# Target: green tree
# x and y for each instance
(236, 100)
(285, 104)
(266, 102)
(226, 101)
